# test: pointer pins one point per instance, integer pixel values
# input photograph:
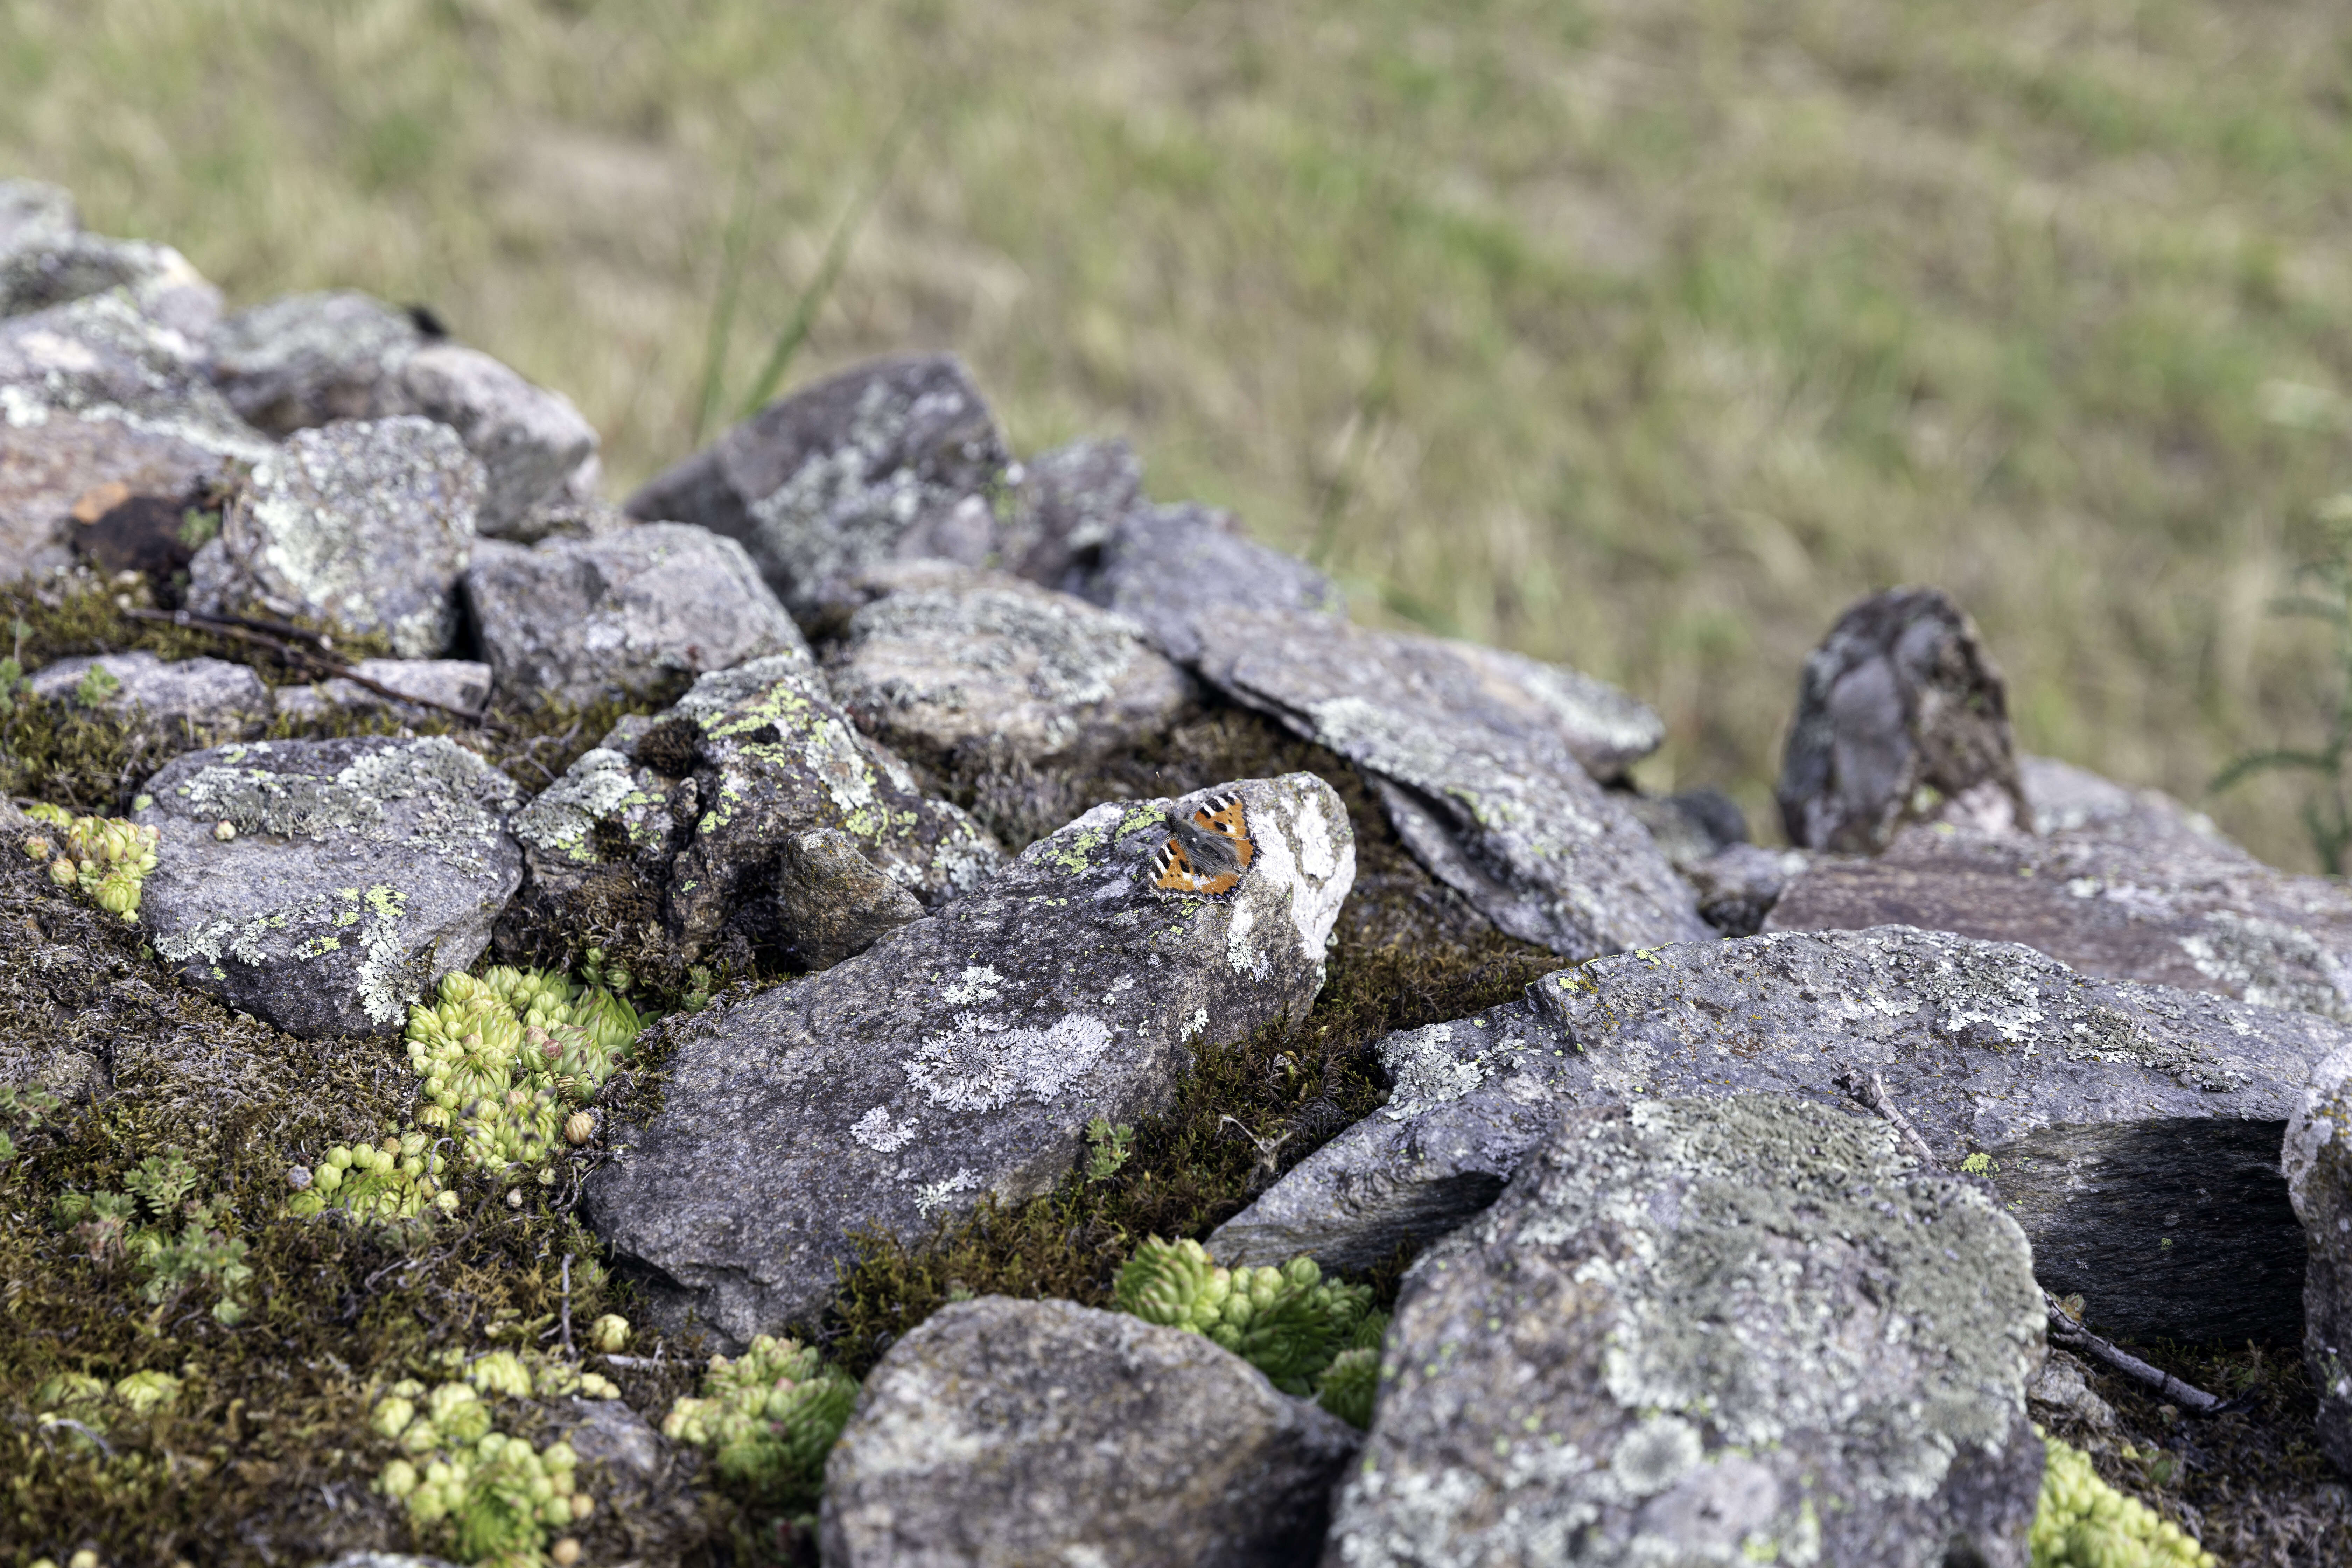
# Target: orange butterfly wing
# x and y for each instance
(1173, 868)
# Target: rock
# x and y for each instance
(1480, 758)
(1068, 504)
(2132, 1129)
(832, 903)
(1710, 1331)
(359, 872)
(47, 259)
(310, 359)
(2068, 799)
(1004, 1432)
(571, 621)
(964, 1055)
(96, 393)
(2318, 1161)
(1175, 569)
(642, 1483)
(446, 683)
(210, 697)
(34, 218)
(892, 459)
(958, 666)
(1739, 886)
(1901, 718)
(366, 524)
(704, 801)
(530, 441)
(2058, 1389)
(2176, 909)
(1692, 826)
(306, 359)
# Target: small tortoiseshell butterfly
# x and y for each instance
(1208, 853)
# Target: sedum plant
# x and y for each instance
(768, 1419)
(2083, 1522)
(1288, 1322)
(107, 859)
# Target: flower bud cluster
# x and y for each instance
(108, 858)
(768, 1419)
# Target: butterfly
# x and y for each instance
(1208, 850)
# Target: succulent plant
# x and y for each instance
(609, 1333)
(768, 1419)
(1288, 1322)
(1347, 1387)
(469, 1489)
(108, 858)
(2082, 1523)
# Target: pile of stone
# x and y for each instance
(1733, 1233)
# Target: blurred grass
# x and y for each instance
(1644, 335)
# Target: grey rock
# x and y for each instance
(1065, 506)
(97, 393)
(890, 460)
(47, 259)
(360, 871)
(1739, 886)
(2132, 1129)
(1691, 826)
(1018, 1431)
(1710, 1331)
(531, 440)
(2167, 905)
(951, 664)
(704, 802)
(2064, 798)
(643, 1483)
(367, 524)
(2059, 1389)
(36, 217)
(832, 903)
(1480, 759)
(1901, 716)
(445, 683)
(964, 1055)
(2318, 1161)
(1173, 570)
(306, 359)
(571, 621)
(206, 698)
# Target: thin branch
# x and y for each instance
(243, 630)
(1871, 1093)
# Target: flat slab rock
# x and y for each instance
(1173, 570)
(210, 697)
(1480, 759)
(359, 872)
(367, 524)
(1002, 1432)
(705, 801)
(1066, 504)
(890, 460)
(964, 1054)
(2318, 1160)
(2132, 1129)
(2198, 913)
(949, 662)
(460, 683)
(1709, 1330)
(574, 620)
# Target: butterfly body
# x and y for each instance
(1206, 851)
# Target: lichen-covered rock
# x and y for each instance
(2064, 798)
(47, 258)
(530, 441)
(309, 359)
(964, 1055)
(367, 524)
(572, 620)
(1716, 1331)
(351, 874)
(831, 901)
(2318, 1161)
(203, 700)
(2173, 908)
(1901, 716)
(893, 459)
(95, 393)
(1173, 570)
(703, 801)
(460, 683)
(952, 664)
(1481, 759)
(1004, 1432)
(36, 217)
(1066, 504)
(2132, 1129)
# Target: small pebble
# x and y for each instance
(299, 1178)
(514, 1197)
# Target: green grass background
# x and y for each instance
(1644, 335)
